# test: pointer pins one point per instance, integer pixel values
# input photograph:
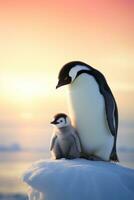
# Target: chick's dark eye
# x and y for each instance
(60, 120)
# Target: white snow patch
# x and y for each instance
(79, 179)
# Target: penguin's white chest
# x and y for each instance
(88, 113)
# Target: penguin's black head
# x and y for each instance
(70, 71)
(61, 120)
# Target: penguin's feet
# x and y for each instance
(95, 158)
(84, 155)
(91, 157)
(70, 157)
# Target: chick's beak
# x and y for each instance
(53, 122)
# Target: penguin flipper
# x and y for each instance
(112, 119)
(111, 109)
(111, 112)
(53, 142)
(110, 103)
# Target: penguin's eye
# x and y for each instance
(61, 121)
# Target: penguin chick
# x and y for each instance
(65, 142)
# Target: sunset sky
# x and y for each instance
(37, 37)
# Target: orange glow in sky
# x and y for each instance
(37, 37)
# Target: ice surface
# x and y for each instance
(79, 179)
(13, 197)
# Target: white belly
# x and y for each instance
(88, 115)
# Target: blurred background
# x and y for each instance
(36, 38)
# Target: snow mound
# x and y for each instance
(79, 179)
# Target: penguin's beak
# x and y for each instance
(63, 82)
(53, 122)
(59, 84)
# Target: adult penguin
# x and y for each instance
(94, 110)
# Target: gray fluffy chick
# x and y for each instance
(65, 142)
